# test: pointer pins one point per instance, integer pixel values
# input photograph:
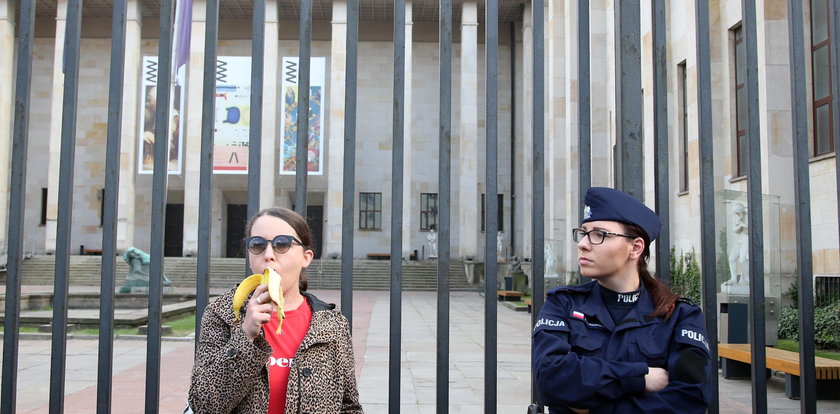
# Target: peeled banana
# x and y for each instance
(268, 277)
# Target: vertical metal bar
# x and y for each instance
(660, 133)
(397, 208)
(538, 215)
(14, 239)
(109, 226)
(802, 195)
(205, 180)
(491, 201)
(255, 130)
(513, 136)
(755, 216)
(629, 103)
(301, 159)
(159, 189)
(707, 190)
(347, 220)
(444, 195)
(584, 105)
(65, 204)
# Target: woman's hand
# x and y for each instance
(656, 379)
(258, 312)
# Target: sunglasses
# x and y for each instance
(281, 244)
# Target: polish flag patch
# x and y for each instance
(579, 315)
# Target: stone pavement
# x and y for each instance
(370, 331)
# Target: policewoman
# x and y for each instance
(622, 343)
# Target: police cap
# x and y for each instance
(602, 203)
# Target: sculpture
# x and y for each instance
(137, 280)
(549, 261)
(739, 254)
(500, 249)
(432, 238)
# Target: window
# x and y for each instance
(428, 211)
(740, 103)
(683, 120)
(500, 218)
(821, 76)
(43, 221)
(370, 211)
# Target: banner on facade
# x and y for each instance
(233, 115)
(317, 95)
(148, 105)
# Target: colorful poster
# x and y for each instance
(317, 95)
(233, 115)
(148, 105)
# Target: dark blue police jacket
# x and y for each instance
(581, 359)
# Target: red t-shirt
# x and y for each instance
(284, 346)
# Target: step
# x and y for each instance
(226, 272)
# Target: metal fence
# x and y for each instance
(627, 23)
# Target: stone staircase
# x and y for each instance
(226, 272)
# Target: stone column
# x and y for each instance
(555, 138)
(410, 208)
(571, 149)
(57, 96)
(776, 128)
(602, 90)
(7, 85)
(335, 141)
(193, 110)
(524, 153)
(467, 192)
(129, 133)
(270, 134)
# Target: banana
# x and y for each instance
(243, 290)
(275, 291)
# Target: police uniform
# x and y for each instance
(583, 359)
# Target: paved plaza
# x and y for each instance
(370, 332)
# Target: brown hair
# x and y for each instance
(664, 301)
(297, 222)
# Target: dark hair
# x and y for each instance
(664, 301)
(297, 222)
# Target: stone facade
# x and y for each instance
(374, 129)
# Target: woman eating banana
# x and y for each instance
(288, 352)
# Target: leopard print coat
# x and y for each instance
(231, 376)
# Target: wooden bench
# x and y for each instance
(92, 252)
(530, 304)
(509, 295)
(828, 370)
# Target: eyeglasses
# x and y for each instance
(596, 236)
(281, 244)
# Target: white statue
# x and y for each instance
(500, 246)
(549, 261)
(739, 254)
(432, 238)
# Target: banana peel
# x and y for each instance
(268, 277)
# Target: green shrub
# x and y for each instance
(789, 323)
(685, 275)
(826, 325)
